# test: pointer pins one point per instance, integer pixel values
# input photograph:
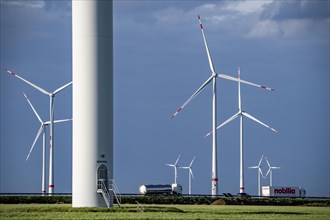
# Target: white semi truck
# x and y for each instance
(283, 191)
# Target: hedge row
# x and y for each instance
(174, 200)
(124, 199)
(35, 199)
(273, 201)
(168, 199)
(199, 200)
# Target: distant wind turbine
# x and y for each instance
(259, 172)
(240, 114)
(270, 172)
(43, 130)
(51, 115)
(190, 173)
(213, 78)
(175, 166)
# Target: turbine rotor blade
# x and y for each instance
(28, 82)
(239, 89)
(206, 46)
(243, 81)
(63, 120)
(34, 142)
(267, 162)
(224, 123)
(177, 160)
(260, 160)
(193, 96)
(267, 173)
(58, 121)
(61, 88)
(256, 120)
(261, 173)
(191, 172)
(35, 112)
(229, 120)
(192, 161)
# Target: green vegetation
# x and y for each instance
(170, 200)
(35, 199)
(65, 211)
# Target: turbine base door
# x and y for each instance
(102, 176)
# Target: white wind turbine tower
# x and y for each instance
(43, 130)
(190, 173)
(240, 114)
(213, 78)
(175, 166)
(270, 172)
(51, 115)
(259, 172)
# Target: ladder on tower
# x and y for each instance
(109, 194)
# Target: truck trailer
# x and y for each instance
(283, 191)
(161, 189)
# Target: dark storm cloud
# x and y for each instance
(283, 10)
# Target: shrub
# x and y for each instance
(192, 200)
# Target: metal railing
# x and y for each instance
(115, 191)
(102, 188)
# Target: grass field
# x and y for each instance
(64, 211)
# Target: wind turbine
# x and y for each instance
(259, 172)
(191, 175)
(43, 130)
(175, 166)
(213, 78)
(270, 172)
(240, 114)
(51, 121)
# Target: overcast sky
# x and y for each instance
(159, 61)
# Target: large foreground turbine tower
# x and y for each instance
(92, 66)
